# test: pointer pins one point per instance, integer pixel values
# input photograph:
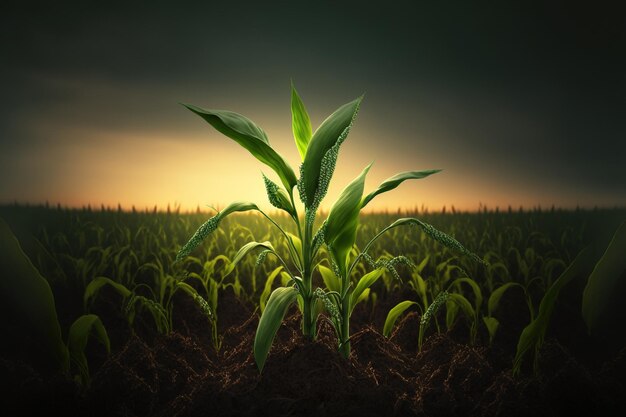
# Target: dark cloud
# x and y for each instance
(531, 93)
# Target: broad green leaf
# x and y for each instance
(300, 123)
(532, 336)
(211, 225)
(343, 220)
(94, 287)
(270, 321)
(78, 336)
(29, 306)
(392, 182)
(604, 287)
(331, 281)
(245, 249)
(325, 144)
(267, 289)
(364, 283)
(243, 131)
(496, 295)
(393, 315)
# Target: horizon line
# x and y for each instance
(176, 208)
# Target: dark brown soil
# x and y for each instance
(180, 374)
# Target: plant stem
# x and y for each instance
(308, 325)
(344, 348)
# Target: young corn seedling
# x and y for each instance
(319, 152)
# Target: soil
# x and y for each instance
(181, 374)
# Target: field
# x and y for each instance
(166, 338)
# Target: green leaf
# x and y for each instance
(364, 283)
(267, 289)
(464, 303)
(492, 325)
(604, 287)
(94, 287)
(297, 243)
(422, 264)
(29, 306)
(532, 336)
(331, 281)
(270, 321)
(245, 249)
(478, 294)
(300, 122)
(452, 311)
(496, 295)
(393, 315)
(211, 225)
(326, 140)
(343, 220)
(243, 131)
(78, 336)
(392, 182)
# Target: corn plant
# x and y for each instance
(319, 152)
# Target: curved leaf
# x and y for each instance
(496, 295)
(267, 289)
(331, 133)
(478, 294)
(604, 287)
(270, 321)
(30, 305)
(210, 225)
(300, 123)
(393, 315)
(343, 220)
(243, 131)
(331, 281)
(464, 303)
(392, 182)
(492, 324)
(94, 287)
(78, 337)
(245, 249)
(364, 283)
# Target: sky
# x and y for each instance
(520, 105)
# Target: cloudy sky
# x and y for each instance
(519, 105)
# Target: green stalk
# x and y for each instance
(344, 347)
(308, 327)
